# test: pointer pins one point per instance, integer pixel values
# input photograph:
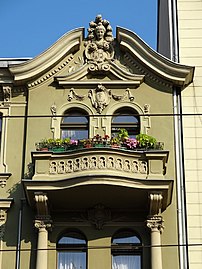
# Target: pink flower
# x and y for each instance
(131, 143)
(73, 142)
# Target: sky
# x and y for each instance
(29, 27)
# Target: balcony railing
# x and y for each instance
(138, 164)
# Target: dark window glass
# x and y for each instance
(75, 124)
(128, 119)
(72, 251)
(126, 251)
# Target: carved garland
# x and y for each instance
(100, 97)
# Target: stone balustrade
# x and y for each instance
(149, 164)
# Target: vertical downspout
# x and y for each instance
(179, 152)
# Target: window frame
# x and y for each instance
(129, 126)
(127, 249)
(75, 126)
(72, 247)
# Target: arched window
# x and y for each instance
(128, 119)
(72, 251)
(75, 124)
(126, 250)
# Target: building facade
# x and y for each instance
(182, 34)
(103, 199)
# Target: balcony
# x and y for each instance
(118, 178)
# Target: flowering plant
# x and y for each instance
(73, 142)
(142, 141)
(132, 143)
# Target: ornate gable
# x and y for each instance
(125, 58)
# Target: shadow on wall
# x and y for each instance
(23, 230)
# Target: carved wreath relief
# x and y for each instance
(99, 50)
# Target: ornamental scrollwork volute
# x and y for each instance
(99, 50)
(155, 223)
(100, 97)
(43, 224)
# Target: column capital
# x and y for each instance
(43, 224)
(155, 223)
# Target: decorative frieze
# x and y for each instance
(51, 73)
(143, 70)
(100, 97)
(98, 163)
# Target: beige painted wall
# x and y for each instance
(190, 36)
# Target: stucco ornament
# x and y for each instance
(99, 50)
(99, 215)
(100, 97)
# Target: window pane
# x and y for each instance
(75, 134)
(125, 119)
(74, 125)
(70, 119)
(71, 260)
(72, 238)
(126, 262)
(126, 237)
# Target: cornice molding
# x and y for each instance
(180, 75)
(122, 77)
(6, 203)
(67, 44)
